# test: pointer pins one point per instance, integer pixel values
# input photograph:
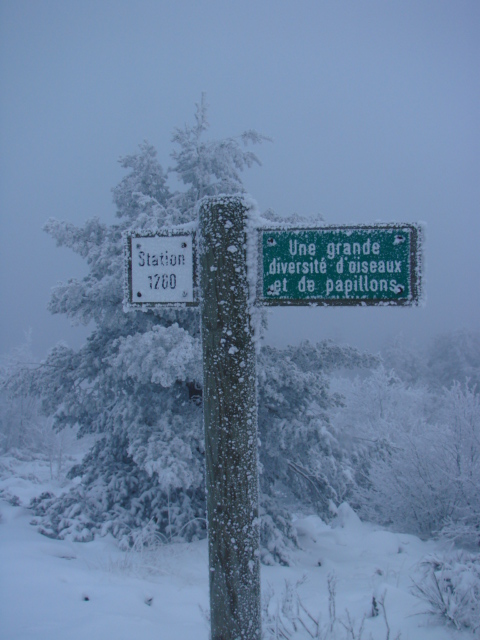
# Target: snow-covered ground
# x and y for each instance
(59, 590)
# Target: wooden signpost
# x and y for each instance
(230, 417)
(343, 265)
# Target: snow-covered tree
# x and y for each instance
(300, 445)
(454, 357)
(416, 454)
(18, 412)
(304, 466)
(211, 167)
(376, 407)
(445, 359)
(428, 482)
(407, 358)
(25, 431)
(128, 384)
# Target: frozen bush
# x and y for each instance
(451, 588)
(416, 455)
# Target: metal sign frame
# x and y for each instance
(415, 231)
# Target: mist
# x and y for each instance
(373, 110)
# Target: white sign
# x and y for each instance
(160, 269)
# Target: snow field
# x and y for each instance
(55, 589)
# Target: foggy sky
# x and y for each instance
(373, 108)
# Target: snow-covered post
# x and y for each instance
(230, 416)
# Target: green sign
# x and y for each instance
(343, 265)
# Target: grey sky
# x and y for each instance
(373, 108)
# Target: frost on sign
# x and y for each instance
(160, 269)
(344, 265)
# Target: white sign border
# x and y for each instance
(129, 304)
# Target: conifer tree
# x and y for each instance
(129, 383)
